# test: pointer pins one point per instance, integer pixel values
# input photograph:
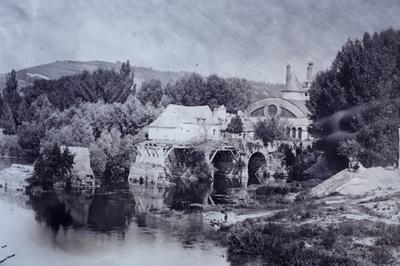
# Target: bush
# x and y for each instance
(276, 244)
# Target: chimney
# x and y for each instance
(310, 71)
(288, 73)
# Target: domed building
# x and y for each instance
(290, 108)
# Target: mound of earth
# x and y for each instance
(321, 169)
(363, 181)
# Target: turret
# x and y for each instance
(288, 73)
(310, 71)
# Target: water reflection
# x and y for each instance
(108, 210)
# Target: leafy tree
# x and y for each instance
(151, 91)
(77, 133)
(112, 155)
(52, 165)
(31, 131)
(239, 95)
(269, 130)
(30, 135)
(235, 125)
(214, 92)
(107, 85)
(364, 84)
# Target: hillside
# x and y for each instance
(58, 69)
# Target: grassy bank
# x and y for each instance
(311, 232)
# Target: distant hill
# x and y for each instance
(58, 69)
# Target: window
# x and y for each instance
(288, 132)
(272, 110)
(294, 132)
(299, 133)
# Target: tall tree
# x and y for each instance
(364, 84)
(12, 99)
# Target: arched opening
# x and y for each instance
(294, 133)
(257, 160)
(223, 163)
(299, 133)
(288, 132)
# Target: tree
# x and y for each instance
(30, 135)
(269, 130)
(112, 155)
(151, 91)
(213, 91)
(107, 85)
(52, 166)
(12, 99)
(235, 125)
(359, 97)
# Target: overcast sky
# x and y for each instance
(248, 38)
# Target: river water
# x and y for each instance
(140, 225)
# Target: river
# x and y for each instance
(142, 225)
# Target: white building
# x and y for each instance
(290, 108)
(187, 124)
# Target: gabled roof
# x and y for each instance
(176, 115)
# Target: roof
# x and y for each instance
(301, 105)
(175, 115)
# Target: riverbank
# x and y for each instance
(15, 177)
(335, 229)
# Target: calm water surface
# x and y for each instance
(115, 227)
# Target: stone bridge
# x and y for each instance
(233, 163)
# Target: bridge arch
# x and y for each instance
(256, 161)
(223, 162)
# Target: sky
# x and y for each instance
(253, 39)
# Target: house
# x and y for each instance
(186, 124)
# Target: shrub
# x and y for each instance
(381, 256)
(276, 244)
